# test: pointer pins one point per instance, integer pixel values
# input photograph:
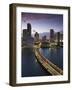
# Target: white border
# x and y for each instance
(63, 77)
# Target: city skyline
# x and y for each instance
(44, 51)
(28, 39)
(42, 22)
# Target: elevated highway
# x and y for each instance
(47, 64)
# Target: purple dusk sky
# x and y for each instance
(42, 22)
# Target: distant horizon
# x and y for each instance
(49, 32)
(45, 34)
(42, 22)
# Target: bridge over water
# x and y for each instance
(47, 64)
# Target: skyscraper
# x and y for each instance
(51, 35)
(36, 37)
(44, 38)
(25, 33)
(61, 37)
(27, 39)
(29, 29)
(58, 38)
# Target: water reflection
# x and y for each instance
(54, 54)
(30, 66)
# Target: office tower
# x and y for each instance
(27, 39)
(25, 33)
(51, 35)
(29, 29)
(61, 37)
(36, 37)
(44, 38)
(58, 38)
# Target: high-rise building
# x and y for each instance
(51, 35)
(44, 38)
(29, 29)
(25, 33)
(61, 37)
(58, 38)
(36, 37)
(27, 39)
